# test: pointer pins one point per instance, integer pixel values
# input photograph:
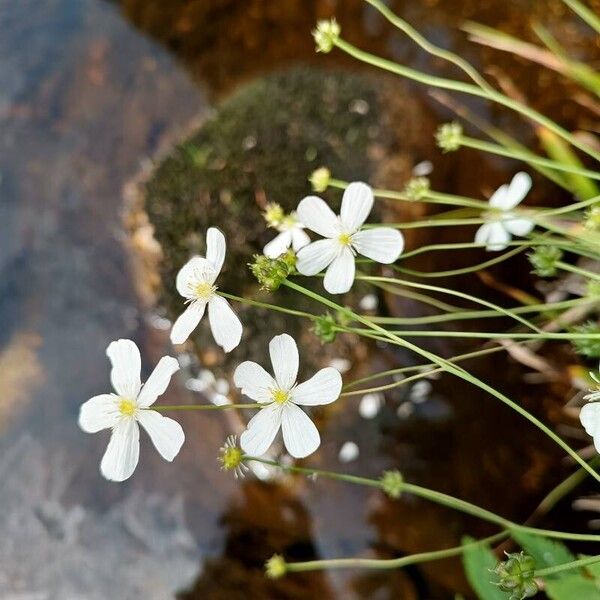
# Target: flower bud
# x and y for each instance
(325, 327)
(516, 576)
(275, 567)
(543, 260)
(587, 346)
(592, 219)
(320, 179)
(391, 483)
(271, 272)
(273, 214)
(449, 136)
(326, 34)
(416, 188)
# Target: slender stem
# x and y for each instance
(392, 563)
(453, 369)
(275, 307)
(575, 564)
(458, 86)
(525, 156)
(488, 335)
(433, 496)
(168, 407)
(578, 271)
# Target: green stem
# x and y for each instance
(275, 307)
(453, 369)
(575, 564)
(168, 407)
(487, 335)
(465, 88)
(577, 270)
(525, 156)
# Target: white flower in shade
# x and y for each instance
(196, 283)
(500, 222)
(590, 413)
(282, 398)
(291, 233)
(344, 238)
(122, 411)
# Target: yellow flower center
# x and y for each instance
(231, 458)
(345, 239)
(127, 407)
(280, 396)
(204, 290)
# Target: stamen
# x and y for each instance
(280, 396)
(127, 407)
(345, 239)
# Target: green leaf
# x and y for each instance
(478, 562)
(547, 553)
(572, 587)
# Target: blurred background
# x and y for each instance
(127, 128)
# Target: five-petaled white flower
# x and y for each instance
(590, 413)
(282, 398)
(500, 223)
(344, 238)
(291, 233)
(122, 411)
(196, 283)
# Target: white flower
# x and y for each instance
(500, 223)
(348, 452)
(370, 405)
(282, 398)
(590, 413)
(196, 283)
(291, 234)
(121, 412)
(344, 238)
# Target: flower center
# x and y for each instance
(127, 407)
(231, 458)
(204, 290)
(345, 239)
(280, 396)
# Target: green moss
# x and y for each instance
(259, 146)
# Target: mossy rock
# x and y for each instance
(260, 146)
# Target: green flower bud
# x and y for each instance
(273, 214)
(320, 179)
(592, 219)
(391, 483)
(271, 272)
(325, 327)
(543, 260)
(587, 346)
(417, 188)
(275, 567)
(326, 34)
(516, 576)
(449, 136)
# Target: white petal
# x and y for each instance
(323, 387)
(261, 431)
(224, 323)
(254, 381)
(158, 381)
(165, 433)
(315, 214)
(517, 190)
(499, 198)
(519, 226)
(482, 234)
(188, 321)
(312, 259)
(99, 412)
(285, 360)
(300, 435)
(498, 237)
(590, 418)
(382, 244)
(340, 273)
(195, 271)
(356, 206)
(123, 451)
(278, 245)
(126, 366)
(370, 405)
(215, 249)
(299, 239)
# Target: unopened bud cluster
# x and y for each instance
(272, 272)
(392, 483)
(417, 188)
(544, 260)
(320, 179)
(326, 34)
(516, 576)
(449, 136)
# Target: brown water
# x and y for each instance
(85, 100)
